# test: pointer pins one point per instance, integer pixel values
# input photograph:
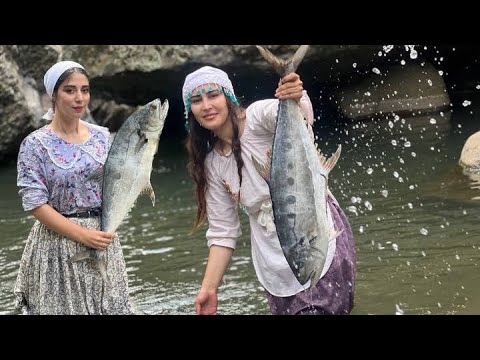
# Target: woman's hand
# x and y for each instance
(96, 239)
(290, 87)
(55, 221)
(206, 302)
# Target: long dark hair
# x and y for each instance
(199, 143)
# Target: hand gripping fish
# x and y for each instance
(127, 170)
(297, 177)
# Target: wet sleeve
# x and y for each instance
(31, 176)
(222, 212)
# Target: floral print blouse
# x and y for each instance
(54, 172)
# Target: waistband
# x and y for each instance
(85, 213)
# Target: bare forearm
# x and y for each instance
(218, 260)
(58, 223)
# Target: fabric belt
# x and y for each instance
(84, 214)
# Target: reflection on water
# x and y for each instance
(411, 208)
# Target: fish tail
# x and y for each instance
(82, 255)
(284, 67)
(102, 267)
(90, 254)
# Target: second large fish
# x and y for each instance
(127, 170)
(297, 178)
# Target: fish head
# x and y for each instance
(149, 121)
(151, 117)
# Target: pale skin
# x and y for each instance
(71, 101)
(210, 110)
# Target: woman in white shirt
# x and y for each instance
(223, 136)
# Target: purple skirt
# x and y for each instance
(333, 294)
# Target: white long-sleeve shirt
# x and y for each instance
(270, 264)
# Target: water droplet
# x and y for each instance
(352, 209)
(399, 311)
(368, 205)
(387, 48)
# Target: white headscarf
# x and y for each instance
(51, 77)
(203, 76)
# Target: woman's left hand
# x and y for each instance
(290, 87)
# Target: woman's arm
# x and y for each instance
(218, 259)
(222, 234)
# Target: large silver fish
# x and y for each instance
(127, 170)
(297, 178)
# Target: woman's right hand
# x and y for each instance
(206, 302)
(96, 239)
(55, 221)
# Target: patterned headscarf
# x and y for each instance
(203, 76)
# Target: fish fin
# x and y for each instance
(82, 255)
(97, 175)
(141, 142)
(284, 67)
(148, 190)
(102, 268)
(329, 164)
(337, 233)
(263, 170)
(315, 276)
(317, 272)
